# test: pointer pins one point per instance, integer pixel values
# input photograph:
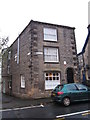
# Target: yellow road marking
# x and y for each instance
(87, 113)
(60, 118)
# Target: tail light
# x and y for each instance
(59, 93)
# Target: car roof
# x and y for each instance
(72, 84)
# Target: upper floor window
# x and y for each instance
(50, 34)
(51, 54)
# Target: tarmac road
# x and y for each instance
(77, 111)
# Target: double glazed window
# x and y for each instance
(50, 34)
(51, 54)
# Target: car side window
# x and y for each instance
(71, 87)
(81, 87)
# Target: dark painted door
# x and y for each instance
(70, 75)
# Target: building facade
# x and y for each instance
(84, 59)
(42, 56)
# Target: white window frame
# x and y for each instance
(50, 34)
(22, 81)
(51, 54)
(52, 79)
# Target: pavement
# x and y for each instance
(9, 102)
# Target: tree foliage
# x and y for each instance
(3, 42)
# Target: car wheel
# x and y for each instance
(66, 101)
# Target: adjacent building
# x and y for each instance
(84, 59)
(0, 71)
(42, 56)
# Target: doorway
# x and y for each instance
(70, 75)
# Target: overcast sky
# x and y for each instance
(16, 14)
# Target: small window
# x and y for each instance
(50, 34)
(22, 81)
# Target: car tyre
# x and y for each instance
(66, 101)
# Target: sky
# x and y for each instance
(16, 14)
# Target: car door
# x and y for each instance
(83, 91)
(89, 93)
(73, 92)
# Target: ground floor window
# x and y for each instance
(52, 79)
(22, 81)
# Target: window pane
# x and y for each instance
(46, 78)
(53, 78)
(51, 54)
(50, 31)
(53, 74)
(46, 74)
(50, 78)
(50, 34)
(57, 78)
